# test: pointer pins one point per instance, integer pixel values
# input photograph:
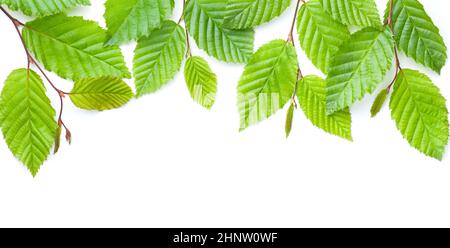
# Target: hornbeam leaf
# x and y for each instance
(201, 81)
(242, 14)
(267, 83)
(319, 34)
(312, 98)
(101, 93)
(158, 57)
(362, 13)
(204, 20)
(73, 48)
(358, 67)
(416, 34)
(28, 119)
(43, 7)
(420, 113)
(131, 19)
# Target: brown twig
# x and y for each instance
(390, 24)
(290, 39)
(291, 33)
(32, 61)
(188, 44)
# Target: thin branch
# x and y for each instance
(182, 14)
(291, 33)
(390, 24)
(291, 40)
(32, 61)
(188, 44)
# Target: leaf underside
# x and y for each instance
(359, 67)
(43, 7)
(73, 48)
(131, 19)
(158, 57)
(27, 118)
(242, 14)
(361, 13)
(201, 81)
(420, 113)
(101, 93)
(204, 20)
(416, 35)
(312, 99)
(319, 34)
(267, 83)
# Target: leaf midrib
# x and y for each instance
(415, 27)
(132, 9)
(249, 6)
(80, 50)
(220, 27)
(418, 109)
(272, 71)
(161, 52)
(358, 68)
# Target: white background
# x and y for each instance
(163, 161)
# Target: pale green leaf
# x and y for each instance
(158, 57)
(319, 34)
(73, 48)
(359, 67)
(267, 83)
(312, 98)
(43, 7)
(362, 13)
(201, 81)
(131, 19)
(242, 14)
(204, 20)
(416, 34)
(379, 102)
(420, 113)
(28, 119)
(102, 93)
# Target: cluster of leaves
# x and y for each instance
(347, 41)
(355, 64)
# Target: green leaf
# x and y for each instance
(416, 35)
(73, 48)
(132, 19)
(420, 113)
(28, 119)
(101, 93)
(242, 14)
(379, 102)
(289, 120)
(362, 13)
(267, 82)
(201, 81)
(39, 8)
(358, 67)
(204, 20)
(319, 34)
(158, 57)
(312, 98)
